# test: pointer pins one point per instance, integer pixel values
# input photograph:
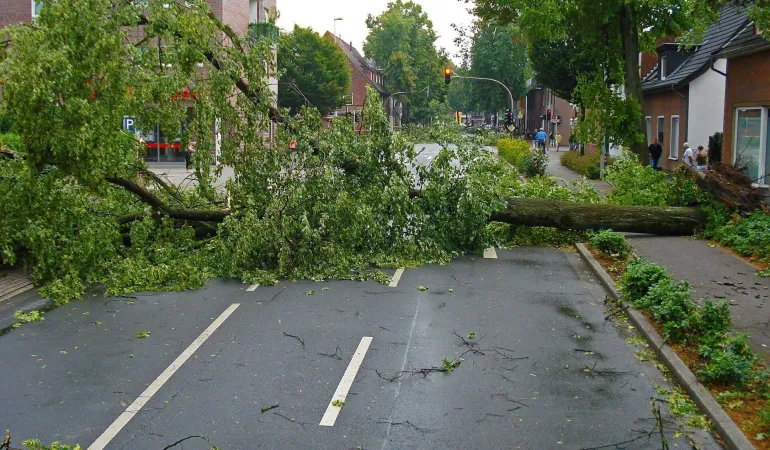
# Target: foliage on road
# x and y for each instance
(401, 41)
(313, 69)
(634, 184)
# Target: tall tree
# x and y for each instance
(402, 41)
(611, 33)
(497, 53)
(313, 69)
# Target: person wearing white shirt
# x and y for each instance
(689, 157)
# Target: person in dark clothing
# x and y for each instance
(656, 150)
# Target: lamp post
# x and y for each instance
(335, 25)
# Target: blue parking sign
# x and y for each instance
(128, 123)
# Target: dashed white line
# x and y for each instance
(252, 288)
(122, 420)
(490, 253)
(341, 393)
(396, 277)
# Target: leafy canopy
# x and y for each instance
(314, 66)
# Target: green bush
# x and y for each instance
(747, 236)
(712, 322)
(639, 277)
(11, 141)
(671, 307)
(731, 363)
(586, 165)
(533, 165)
(610, 243)
(513, 150)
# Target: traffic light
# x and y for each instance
(548, 113)
(447, 75)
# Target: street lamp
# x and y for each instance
(335, 25)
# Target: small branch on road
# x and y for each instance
(619, 445)
(213, 447)
(488, 415)
(7, 441)
(616, 312)
(268, 408)
(659, 424)
(448, 367)
(507, 398)
(336, 355)
(500, 352)
(295, 337)
(302, 424)
(386, 329)
(473, 346)
(421, 430)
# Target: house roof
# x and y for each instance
(745, 42)
(731, 21)
(362, 64)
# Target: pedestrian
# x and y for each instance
(689, 157)
(557, 140)
(188, 156)
(656, 151)
(541, 137)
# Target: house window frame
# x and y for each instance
(661, 120)
(762, 142)
(35, 14)
(673, 145)
(663, 65)
(648, 129)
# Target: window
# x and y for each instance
(661, 129)
(648, 123)
(36, 8)
(673, 152)
(663, 67)
(750, 147)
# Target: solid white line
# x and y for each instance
(490, 253)
(347, 381)
(252, 288)
(122, 420)
(396, 277)
(403, 367)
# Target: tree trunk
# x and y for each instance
(630, 35)
(576, 216)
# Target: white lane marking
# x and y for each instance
(403, 367)
(122, 420)
(396, 277)
(490, 253)
(347, 381)
(252, 288)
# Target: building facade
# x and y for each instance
(682, 88)
(747, 105)
(535, 113)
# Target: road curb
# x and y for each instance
(732, 435)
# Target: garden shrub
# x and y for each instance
(712, 322)
(639, 277)
(610, 243)
(730, 363)
(586, 165)
(671, 307)
(11, 141)
(533, 165)
(513, 150)
(747, 236)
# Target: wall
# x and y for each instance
(15, 11)
(667, 104)
(747, 85)
(706, 116)
(236, 14)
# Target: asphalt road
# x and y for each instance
(521, 383)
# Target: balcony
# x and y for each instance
(265, 30)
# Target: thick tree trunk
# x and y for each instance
(576, 216)
(629, 28)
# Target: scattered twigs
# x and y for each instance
(510, 399)
(295, 337)
(605, 372)
(659, 424)
(500, 351)
(616, 312)
(619, 445)
(488, 415)
(473, 345)
(336, 355)
(7, 441)
(448, 367)
(213, 447)
(406, 422)
(268, 408)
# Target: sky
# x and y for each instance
(320, 14)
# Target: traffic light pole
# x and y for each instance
(510, 96)
(387, 102)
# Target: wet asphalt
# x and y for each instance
(525, 379)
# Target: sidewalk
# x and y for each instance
(713, 272)
(556, 169)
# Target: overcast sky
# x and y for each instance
(320, 15)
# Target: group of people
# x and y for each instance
(690, 156)
(539, 138)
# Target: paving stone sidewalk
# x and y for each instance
(556, 169)
(713, 272)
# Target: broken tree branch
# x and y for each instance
(214, 447)
(295, 337)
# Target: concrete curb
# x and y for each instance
(727, 429)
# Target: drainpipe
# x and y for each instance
(713, 61)
(686, 115)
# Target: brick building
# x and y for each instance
(364, 72)
(535, 107)
(747, 103)
(684, 89)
